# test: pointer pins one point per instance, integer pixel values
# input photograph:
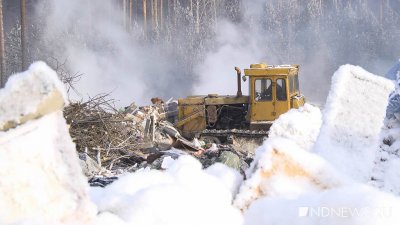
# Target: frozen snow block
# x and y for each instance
(282, 169)
(352, 120)
(30, 95)
(301, 125)
(41, 180)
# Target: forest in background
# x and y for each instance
(188, 46)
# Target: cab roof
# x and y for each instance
(264, 69)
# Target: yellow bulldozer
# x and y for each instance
(273, 90)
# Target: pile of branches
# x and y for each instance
(104, 133)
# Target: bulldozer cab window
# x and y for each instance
(263, 90)
(291, 84)
(281, 90)
(296, 82)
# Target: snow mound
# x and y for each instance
(182, 194)
(41, 179)
(300, 125)
(282, 169)
(351, 205)
(352, 119)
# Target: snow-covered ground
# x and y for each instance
(314, 169)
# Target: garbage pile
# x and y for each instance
(111, 141)
(104, 134)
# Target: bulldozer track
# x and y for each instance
(236, 132)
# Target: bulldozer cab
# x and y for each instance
(273, 91)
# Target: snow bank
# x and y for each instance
(349, 205)
(282, 169)
(41, 179)
(299, 125)
(183, 194)
(289, 185)
(353, 117)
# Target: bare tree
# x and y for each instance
(130, 14)
(197, 16)
(155, 10)
(124, 13)
(2, 59)
(145, 16)
(23, 35)
(161, 13)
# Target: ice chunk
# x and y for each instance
(352, 119)
(41, 179)
(31, 94)
(282, 169)
(300, 125)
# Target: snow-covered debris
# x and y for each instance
(393, 108)
(386, 172)
(352, 120)
(282, 169)
(183, 194)
(350, 205)
(41, 179)
(300, 125)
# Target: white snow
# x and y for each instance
(299, 125)
(386, 172)
(183, 194)
(305, 173)
(350, 205)
(352, 119)
(228, 176)
(281, 168)
(41, 180)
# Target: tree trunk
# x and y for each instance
(145, 16)
(130, 14)
(23, 35)
(152, 13)
(215, 13)
(155, 14)
(161, 13)
(124, 13)
(2, 58)
(197, 16)
(381, 13)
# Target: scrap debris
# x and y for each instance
(135, 137)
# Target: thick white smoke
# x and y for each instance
(92, 37)
(198, 58)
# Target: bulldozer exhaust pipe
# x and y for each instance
(239, 82)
